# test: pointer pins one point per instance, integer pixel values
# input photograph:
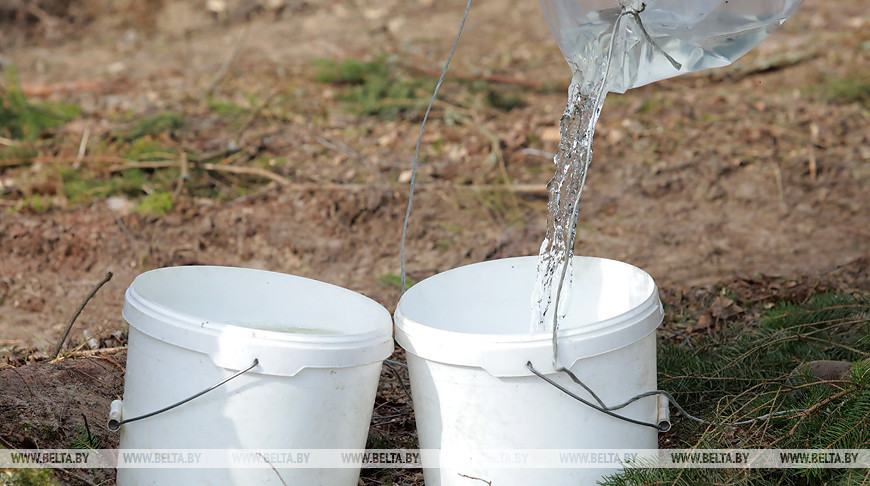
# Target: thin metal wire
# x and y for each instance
(656, 46)
(116, 425)
(399, 377)
(420, 139)
(397, 363)
(588, 403)
(602, 407)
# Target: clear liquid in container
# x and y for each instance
(615, 45)
(661, 38)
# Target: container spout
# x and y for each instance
(663, 417)
(115, 412)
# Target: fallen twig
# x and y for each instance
(340, 148)
(85, 353)
(95, 159)
(6, 443)
(83, 147)
(33, 9)
(110, 360)
(255, 171)
(814, 139)
(157, 164)
(42, 90)
(835, 345)
(15, 162)
(779, 186)
(23, 381)
(7, 142)
(225, 67)
(526, 189)
(183, 175)
(257, 111)
(79, 311)
(215, 154)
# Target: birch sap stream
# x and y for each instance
(615, 45)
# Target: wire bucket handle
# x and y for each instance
(115, 409)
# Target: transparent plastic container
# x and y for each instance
(659, 39)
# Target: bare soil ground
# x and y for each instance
(759, 172)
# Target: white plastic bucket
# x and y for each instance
(319, 348)
(467, 336)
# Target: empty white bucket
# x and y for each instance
(319, 349)
(467, 336)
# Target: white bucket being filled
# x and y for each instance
(468, 341)
(318, 348)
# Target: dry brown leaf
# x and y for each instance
(723, 308)
(704, 322)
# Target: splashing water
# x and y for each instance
(586, 95)
(577, 128)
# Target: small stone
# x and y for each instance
(120, 205)
(820, 371)
(90, 339)
(116, 68)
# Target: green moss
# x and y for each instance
(451, 228)
(374, 88)
(443, 244)
(504, 102)
(615, 100)
(378, 441)
(145, 149)
(19, 152)
(349, 71)
(27, 477)
(155, 124)
(848, 90)
(225, 107)
(157, 204)
(501, 204)
(651, 105)
(82, 186)
(38, 203)
(393, 281)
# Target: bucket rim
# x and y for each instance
(279, 353)
(217, 326)
(497, 353)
